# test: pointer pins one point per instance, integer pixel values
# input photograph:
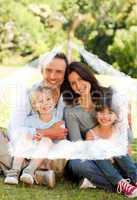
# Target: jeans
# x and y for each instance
(113, 174)
(88, 169)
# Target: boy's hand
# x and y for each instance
(38, 136)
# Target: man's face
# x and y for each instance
(53, 73)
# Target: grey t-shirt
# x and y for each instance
(78, 121)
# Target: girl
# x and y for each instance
(33, 144)
(106, 128)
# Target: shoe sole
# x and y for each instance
(43, 179)
(26, 180)
(11, 182)
(51, 182)
(132, 195)
(86, 185)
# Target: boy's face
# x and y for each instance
(106, 117)
(44, 102)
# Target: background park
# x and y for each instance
(29, 28)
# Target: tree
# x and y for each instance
(124, 50)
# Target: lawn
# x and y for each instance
(64, 189)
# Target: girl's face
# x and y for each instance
(44, 102)
(106, 117)
(79, 85)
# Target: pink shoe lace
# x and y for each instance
(125, 187)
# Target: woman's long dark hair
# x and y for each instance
(85, 74)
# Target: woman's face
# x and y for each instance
(79, 85)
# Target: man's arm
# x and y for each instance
(56, 132)
(20, 108)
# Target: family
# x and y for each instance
(68, 103)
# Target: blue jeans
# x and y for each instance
(112, 173)
(88, 169)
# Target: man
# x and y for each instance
(53, 75)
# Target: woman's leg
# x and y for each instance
(88, 169)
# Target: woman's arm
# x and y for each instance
(72, 124)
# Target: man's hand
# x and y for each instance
(55, 132)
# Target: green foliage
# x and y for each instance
(105, 26)
(124, 50)
(23, 33)
(101, 34)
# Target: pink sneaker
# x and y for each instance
(129, 190)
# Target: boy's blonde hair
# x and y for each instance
(54, 92)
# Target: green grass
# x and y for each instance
(64, 190)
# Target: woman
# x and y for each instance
(84, 92)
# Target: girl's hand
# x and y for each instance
(89, 135)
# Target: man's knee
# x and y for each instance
(57, 165)
(5, 157)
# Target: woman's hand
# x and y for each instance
(129, 150)
(85, 91)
